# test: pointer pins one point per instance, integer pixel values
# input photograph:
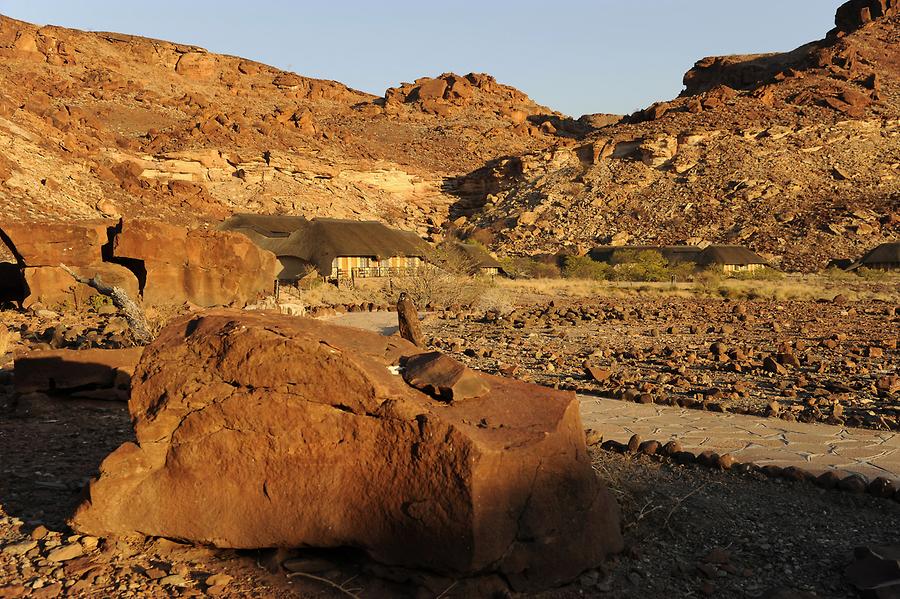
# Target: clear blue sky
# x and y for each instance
(576, 56)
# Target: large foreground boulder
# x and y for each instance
(259, 430)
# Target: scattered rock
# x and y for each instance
(65, 552)
(20, 548)
(443, 377)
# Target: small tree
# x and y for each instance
(641, 265)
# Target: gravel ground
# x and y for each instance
(804, 360)
(690, 531)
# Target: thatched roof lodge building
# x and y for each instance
(337, 249)
(731, 258)
(884, 257)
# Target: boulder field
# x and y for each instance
(259, 430)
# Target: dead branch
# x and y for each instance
(447, 590)
(133, 313)
(334, 585)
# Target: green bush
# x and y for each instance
(648, 266)
(98, 300)
(583, 267)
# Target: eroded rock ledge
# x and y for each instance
(258, 430)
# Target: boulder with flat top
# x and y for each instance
(260, 430)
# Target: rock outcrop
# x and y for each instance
(858, 13)
(78, 243)
(40, 247)
(98, 123)
(204, 267)
(161, 263)
(784, 153)
(257, 430)
(53, 286)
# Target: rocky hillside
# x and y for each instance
(796, 155)
(103, 124)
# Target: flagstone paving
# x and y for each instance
(813, 447)
(763, 441)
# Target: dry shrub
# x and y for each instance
(445, 280)
(496, 298)
(439, 287)
(531, 268)
(874, 274)
(328, 294)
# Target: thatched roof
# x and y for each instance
(477, 255)
(729, 254)
(886, 253)
(267, 225)
(321, 240)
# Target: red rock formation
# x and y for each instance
(77, 243)
(258, 430)
(206, 268)
(52, 286)
(858, 13)
(159, 262)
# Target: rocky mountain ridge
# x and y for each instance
(796, 155)
(106, 124)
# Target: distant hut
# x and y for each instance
(732, 258)
(884, 257)
(480, 260)
(337, 249)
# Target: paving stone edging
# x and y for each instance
(672, 451)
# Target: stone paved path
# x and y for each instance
(813, 447)
(379, 322)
